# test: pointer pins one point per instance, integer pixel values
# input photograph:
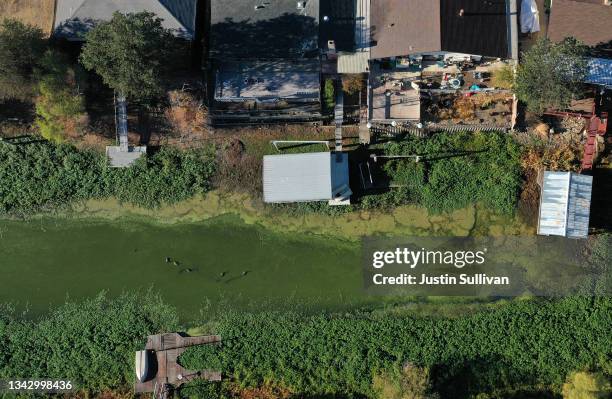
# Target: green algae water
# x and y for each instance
(215, 264)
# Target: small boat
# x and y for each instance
(142, 365)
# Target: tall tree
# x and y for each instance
(550, 74)
(21, 47)
(130, 53)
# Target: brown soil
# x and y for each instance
(34, 12)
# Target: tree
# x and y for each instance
(352, 83)
(551, 74)
(20, 49)
(329, 96)
(129, 53)
(582, 385)
(60, 107)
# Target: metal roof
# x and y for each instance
(357, 62)
(303, 177)
(599, 72)
(74, 18)
(565, 204)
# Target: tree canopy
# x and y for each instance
(21, 46)
(129, 53)
(550, 74)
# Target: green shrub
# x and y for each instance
(584, 385)
(455, 170)
(92, 343)
(44, 176)
(329, 95)
(523, 343)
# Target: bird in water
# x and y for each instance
(168, 260)
(222, 274)
(176, 263)
(244, 273)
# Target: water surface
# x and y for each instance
(43, 262)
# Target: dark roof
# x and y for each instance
(482, 29)
(340, 26)
(74, 18)
(264, 29)
(401, 27)
(589, 23)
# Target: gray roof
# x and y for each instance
(304, 177)
(279, 79)
(264, 28)
(74, 18)
(565, 204)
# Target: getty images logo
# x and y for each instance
(412, 258)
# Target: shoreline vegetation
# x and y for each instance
(492, 347)
(449, 194)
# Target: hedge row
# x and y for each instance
(39, 176)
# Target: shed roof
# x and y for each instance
(303, 177)
(264, 29)
(565, 204)
(74, 18)
(589, 23)
(599, 72)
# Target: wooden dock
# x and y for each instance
(164, 351)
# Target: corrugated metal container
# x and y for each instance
(565, 203)
(303, 177)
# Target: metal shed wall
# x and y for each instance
(565, 204)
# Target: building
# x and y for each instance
(475, 27)
(265, 62)
(587, 21)
(74, 18)
(256, 29)
(317, 176)
(273, 80)
(565, 203)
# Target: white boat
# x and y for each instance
(142, 365)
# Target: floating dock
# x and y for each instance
(164, 373)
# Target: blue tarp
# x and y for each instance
(599, 72)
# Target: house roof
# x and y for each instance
(75, 17)
(478, 27)
(589, 23)
(565, 204)
(286, 79)
(303, 177)
(264, 29)
(401, 27)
